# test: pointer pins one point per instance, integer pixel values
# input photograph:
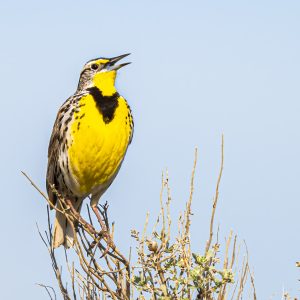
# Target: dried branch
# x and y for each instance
(165, 269)
(215, 201)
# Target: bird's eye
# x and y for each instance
(94, 66)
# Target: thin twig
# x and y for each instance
(46, 287)
(211, 229)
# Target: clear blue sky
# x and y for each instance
(200, 69)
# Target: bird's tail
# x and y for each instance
(63, 232)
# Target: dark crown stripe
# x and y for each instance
(106, 104)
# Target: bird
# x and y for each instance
(90, 138)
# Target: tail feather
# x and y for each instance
(63, 232)
(59, 230)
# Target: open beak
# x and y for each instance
(111, 65)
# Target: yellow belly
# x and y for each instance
(97, 148)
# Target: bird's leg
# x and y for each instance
(106, 233)
(101, 222)
(79, 218)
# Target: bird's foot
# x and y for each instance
(104, 232)
(78, 217)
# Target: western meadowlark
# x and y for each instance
(90, 137)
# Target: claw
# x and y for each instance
(105, 232)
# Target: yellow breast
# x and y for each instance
(97, 148)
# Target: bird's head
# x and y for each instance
(101, 72)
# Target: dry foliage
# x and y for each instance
(166, 266)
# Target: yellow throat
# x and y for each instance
(100, 134)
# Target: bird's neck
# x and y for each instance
(105, 82)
